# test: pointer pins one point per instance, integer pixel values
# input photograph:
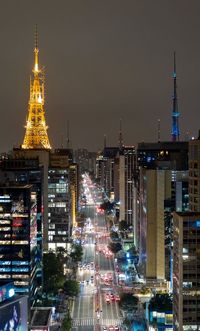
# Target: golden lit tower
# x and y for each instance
(36, 129)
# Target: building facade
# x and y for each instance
(186, 271)
(194, 174)
(20, 252)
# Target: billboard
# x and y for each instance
(13, 315)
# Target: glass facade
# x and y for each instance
(58, 208)
(19, 249)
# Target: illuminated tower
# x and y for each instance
(36, 129)
(175, 113)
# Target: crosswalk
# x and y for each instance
(94, 321)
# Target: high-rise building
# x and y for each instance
(59, 218)
(152, 243)
(194, 174)
(163, 155)
(127, 165)
(20, 254)
(186, 271)
(160, 189)
(27, 172)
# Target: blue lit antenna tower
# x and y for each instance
(175, 113)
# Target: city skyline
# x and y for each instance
(104, 61)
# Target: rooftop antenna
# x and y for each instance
(61, 140)
(68, 140)
(158, 130)
(121, 144)
(175, 113)
(36, 36)
(105, 140)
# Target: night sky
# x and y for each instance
(104, 60)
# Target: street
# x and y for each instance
(96, 307)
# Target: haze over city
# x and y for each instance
(104, 61)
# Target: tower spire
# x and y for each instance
(36, 129)
(175, 113)
(36, 51)
(121, 144)
(104, 141)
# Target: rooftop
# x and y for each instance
(40, 316)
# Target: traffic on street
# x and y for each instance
(97, 306)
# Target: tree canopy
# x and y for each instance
(161, 302)
(128, 300)
(71, 287)
(53, 272)
(115, 247)
(66, 323)
(123, 225)
(76, 252)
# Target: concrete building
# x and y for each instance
(127, 166)
(152, 229)
(186, 271)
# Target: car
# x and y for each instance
(107, 298)
(104, 328)
(111, 328)
(117, 297)
(116, 328)
(112, 297)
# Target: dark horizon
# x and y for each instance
(104, 61)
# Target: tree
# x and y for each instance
(107, 206)
(71, 287)
(114, 235)
(123, 225)
(66, 323)
(128, 300)
(161, 302)
(115, 247)
(76, 252)
(53, 272)
(132, 250)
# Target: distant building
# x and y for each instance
(86, 160)
(163, 155)
(127, 166)
(186, 271)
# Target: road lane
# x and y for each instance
(90, 311)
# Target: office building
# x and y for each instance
(127, 166)
(59, 218)
(186, 271)
(20, 254)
